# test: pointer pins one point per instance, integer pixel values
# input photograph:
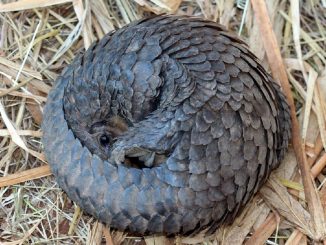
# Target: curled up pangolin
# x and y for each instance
(167, 125)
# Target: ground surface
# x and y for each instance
(39, 38)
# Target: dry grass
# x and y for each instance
(40, 37)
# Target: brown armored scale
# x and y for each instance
(169, 125)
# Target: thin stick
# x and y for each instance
(27, 53)
(28, 4)
(37, 134)
(279, 73)
(319, 166)
(317, 150)
(107, 235)
(264, 231)
(295, 238)
(26, 175)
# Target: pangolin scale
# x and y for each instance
(168, 125)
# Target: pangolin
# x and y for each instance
(168, 125)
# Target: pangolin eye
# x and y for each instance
(104, 140)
